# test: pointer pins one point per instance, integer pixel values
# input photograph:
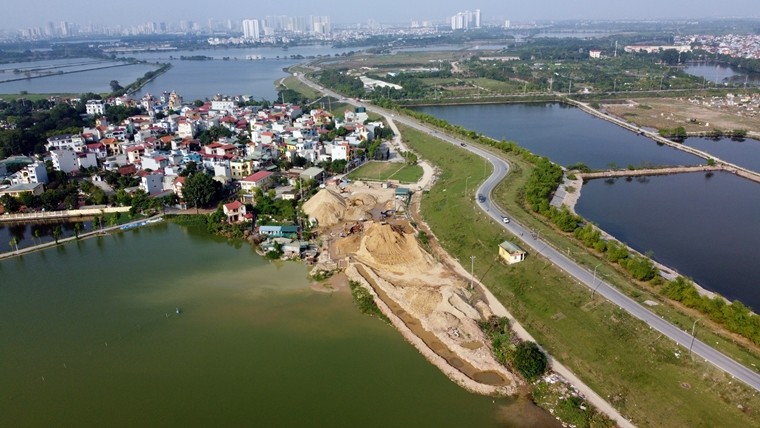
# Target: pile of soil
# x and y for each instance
(388, 247)
(326, 207)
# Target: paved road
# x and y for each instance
(584, 276)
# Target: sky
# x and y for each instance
(18, 14)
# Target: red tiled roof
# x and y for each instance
(232, 206)
(258, 176)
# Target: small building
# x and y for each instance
(403, 193)
(278, 231)
(17, 189)
(260, 180)
(314, 173)
(511, 253)
(235, 212)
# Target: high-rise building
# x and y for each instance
(251, 30)
(466, 20)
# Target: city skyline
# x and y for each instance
(16, 15)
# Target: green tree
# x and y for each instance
(77, 229)
(10, 204)
(14, 243)
(530, 361)
(57, 232)
(200, 190)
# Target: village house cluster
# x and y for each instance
(735, 45)
(742, 104)
(158, 145)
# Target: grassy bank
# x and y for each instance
(647, 377)
(295, 84)
(382, 171)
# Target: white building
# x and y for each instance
(152, 184)
(228, 106)
(34, 173)
(251, 29)
(64, 160)
(95, 107)
(87, 160)
(65, 142)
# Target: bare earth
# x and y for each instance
(695, 115)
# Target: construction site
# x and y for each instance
(368, 234)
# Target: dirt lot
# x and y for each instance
(692, 115)
(428, 299)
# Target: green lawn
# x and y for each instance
(295, 84)
(382, 171)
(650, 379)
(34, 97)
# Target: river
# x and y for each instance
(702, 227)
(721, 73)
(91, 337)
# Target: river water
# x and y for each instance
(90, 337)
(705, 228)
(721, 73)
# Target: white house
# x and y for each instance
(87, 160)
(66, 141)
(34, 173)
(64, 160)
(95, 107)
(152, 183)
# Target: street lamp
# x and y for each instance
(472, 270)
(594, 283)
(693, 326)
(466, 182)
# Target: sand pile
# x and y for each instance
(362, 200)
(387, 247)
(358, 207)
(327, 207)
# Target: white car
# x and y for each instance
(506, 219)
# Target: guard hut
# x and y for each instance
(511, 253)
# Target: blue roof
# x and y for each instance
(279, 229)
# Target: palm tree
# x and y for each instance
(77, 229)
(14, 243)
(37, 234)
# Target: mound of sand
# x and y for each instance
(362, 199)
(327, 207)
(388, 247)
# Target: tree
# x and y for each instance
(14, 243)
(10, 204)
(77, 229)
(57, 232)
(200, 190)
(529, 360)
(115, 86)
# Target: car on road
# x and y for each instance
(481, 198)
(506, 219)
(463, 144)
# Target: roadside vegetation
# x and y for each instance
(383, 171)
(365, 302)
(650, 379)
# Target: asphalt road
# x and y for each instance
(584, 276)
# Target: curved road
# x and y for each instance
(501, 168)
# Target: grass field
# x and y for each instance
(650, 379)
(382, 171)
(293, 83)
(33, 97)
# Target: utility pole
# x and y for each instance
(595, 284)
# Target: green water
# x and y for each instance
(88, 336)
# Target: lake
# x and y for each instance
(720, 73)
(705, 228)
(565, 134)
(702, 226)
(24, 232)
(236, 76)
(91, 337)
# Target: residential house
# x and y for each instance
(152, 184)
(34, 173)
(64, 160)
(95, 107)
(66, 141)
(259, 180)
(241, 168)
(235, 212)
(313, 173)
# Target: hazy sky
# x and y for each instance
(32, 13)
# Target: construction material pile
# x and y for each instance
(389, 248)
(326, 207)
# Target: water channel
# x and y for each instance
(91, 337)
(704, 227)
